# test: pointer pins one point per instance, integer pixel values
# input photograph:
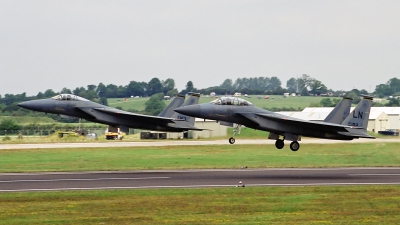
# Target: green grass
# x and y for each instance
(29, 119)
(199, 157)
(250, 205)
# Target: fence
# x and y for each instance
(47, 132)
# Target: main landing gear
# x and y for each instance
(294, 146)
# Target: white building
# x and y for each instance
(393, 113)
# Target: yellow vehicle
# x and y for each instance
(114, 134)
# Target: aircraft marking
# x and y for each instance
(359, 116)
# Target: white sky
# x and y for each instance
(54, 44)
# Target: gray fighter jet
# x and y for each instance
(340, 123)
(68, 105)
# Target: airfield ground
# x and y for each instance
(370, 204)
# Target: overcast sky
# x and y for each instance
(55, 44)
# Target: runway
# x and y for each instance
(15, 182)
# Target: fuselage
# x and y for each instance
(247, 116)
(88, 110)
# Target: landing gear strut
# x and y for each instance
(232, 139)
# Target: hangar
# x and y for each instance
(211, 129)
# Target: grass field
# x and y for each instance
(255, 205)
(199, 157)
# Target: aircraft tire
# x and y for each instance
(279, 144)
(294, 146)
(231, 140)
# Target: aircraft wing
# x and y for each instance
(323, 126)
(298, 122)
(95, 112)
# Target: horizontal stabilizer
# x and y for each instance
(357, 133)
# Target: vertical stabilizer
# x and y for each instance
(192, 100)
(360, 115)
(176, 103)
(340, 112)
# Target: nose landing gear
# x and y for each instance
(232, 139)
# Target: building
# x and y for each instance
(211, 129)
(393, 114)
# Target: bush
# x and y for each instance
(6, 138)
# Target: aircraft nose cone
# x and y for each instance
(191, 110)
(25, 105)
(32, 105)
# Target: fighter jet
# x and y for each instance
(340, 123)
(68, 105)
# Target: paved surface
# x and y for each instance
(197, 178)
(182, 142)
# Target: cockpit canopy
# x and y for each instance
(231, 101)
(69, 97)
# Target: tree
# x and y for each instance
(91, 87)
(291, 85)
(78, 90)
(155, 105)
(40, 95)
(273, 83)
(168, 85)
(9, 125)
(393, 102)
(111, 91)
(154, 86)
(49, 93)
(189, 86)
(66, 91)
(227, 84)
(390, 88)
(103, 101)
(326, 102)
(363, 92)
(355, 95)
(172, 92)
(136, 88)
(317, 87)
(101, 90)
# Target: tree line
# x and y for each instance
(304, 85)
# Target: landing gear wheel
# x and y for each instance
(232, 140)
(294, 146)
(279, 144)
